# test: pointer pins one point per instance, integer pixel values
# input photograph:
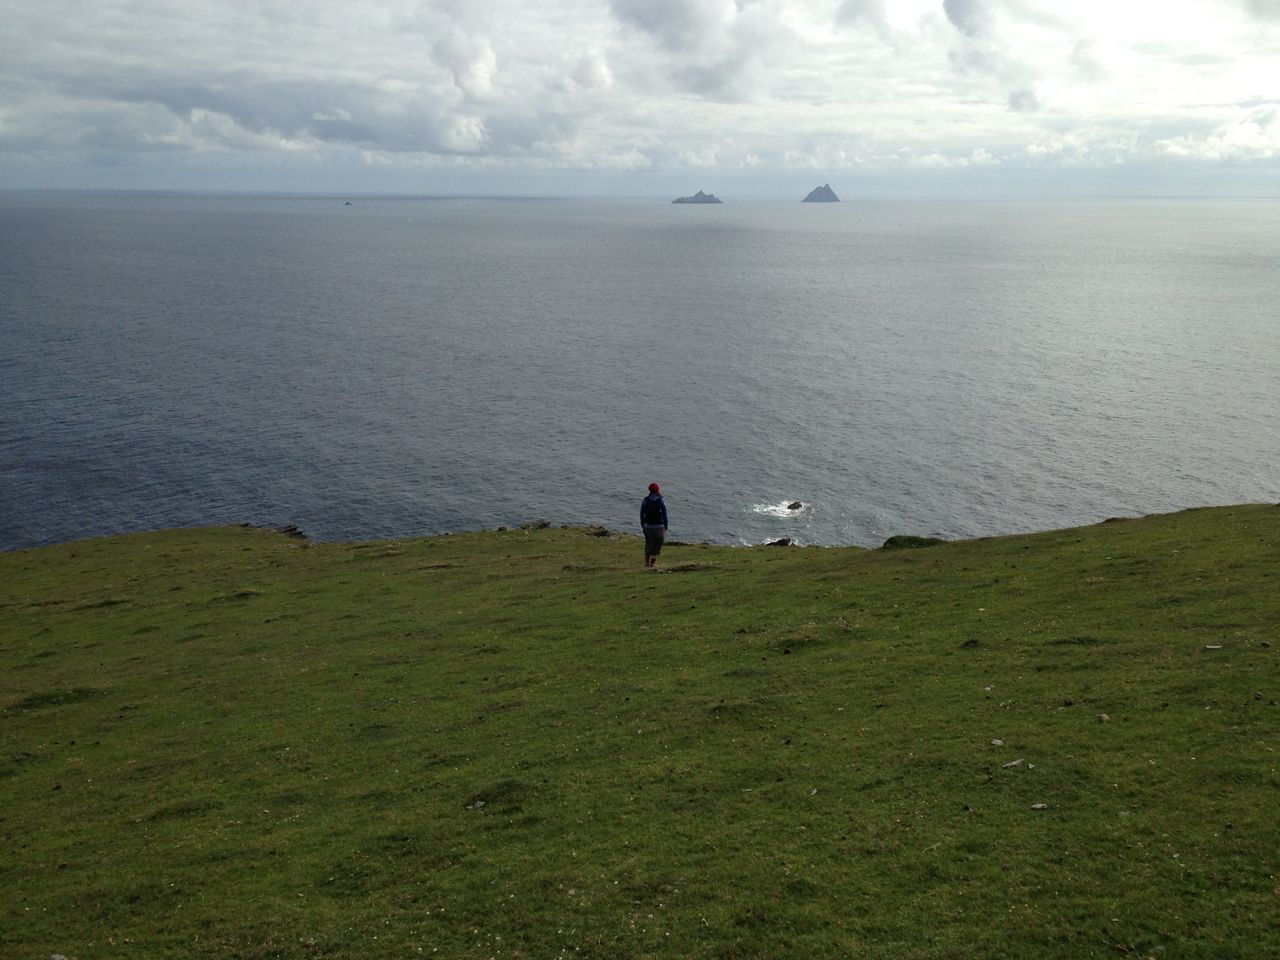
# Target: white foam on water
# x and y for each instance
(779, 509)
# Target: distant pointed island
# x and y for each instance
(699, 197)
(822, 194)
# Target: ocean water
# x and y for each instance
(414, 366)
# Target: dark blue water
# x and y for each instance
(410, 366)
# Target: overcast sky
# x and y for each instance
(643, 96)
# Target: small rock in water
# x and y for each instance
(1015, 763)
(784, 542)
(795, 505)
(1039, 806)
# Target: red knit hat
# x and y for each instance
(654, 488)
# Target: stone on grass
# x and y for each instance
(904, 541)
(1039, 806)
(1015, 763)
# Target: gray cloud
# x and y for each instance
(865, 11)
(967, 16)
(710, 48)
(1265, 9)
(984, 51)
(1024, 101)
(677, 25)
(1085, 63)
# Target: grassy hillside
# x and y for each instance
(228, 743)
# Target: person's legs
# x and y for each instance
(652, 546)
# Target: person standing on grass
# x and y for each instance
(653, 521)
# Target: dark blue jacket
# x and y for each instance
(652, 507)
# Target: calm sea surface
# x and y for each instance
(409, 366)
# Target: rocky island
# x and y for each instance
(822, 194)
(699, 197)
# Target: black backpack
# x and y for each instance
(651, 512)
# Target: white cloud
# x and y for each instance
(644, 85)
(1255, 135)
(1068, 149)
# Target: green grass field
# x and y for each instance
(229, 743)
